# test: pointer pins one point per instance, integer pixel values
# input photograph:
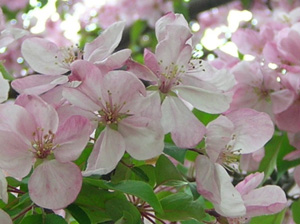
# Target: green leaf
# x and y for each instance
(205, 118)
(272, 148)
(139, 189)
(181, 206)
(140, 173)
(295, 211)
(175, 152)
(285, 148)
(40, 219)
(149, 171)
(269, 219)
(137, 30)
(181, 7)
(81, 161)
(117, 208)
(78, 214)
(5, 74)
(166, 171)
(246, 3)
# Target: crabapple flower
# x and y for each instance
(238, 132)
(117, 101)
(175, 80)
(56, 61)
(214, 184)
(32, 136)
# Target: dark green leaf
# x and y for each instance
(246, 3)
(140, 173)
(47, 219)
(78, 214)
(166, 171)
(148, 170)
(117, 208)
(81, 161)
(175, 152)
(137, 188)
(205, 118)
(181, 206)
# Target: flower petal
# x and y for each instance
(55, 185)
(185, 128)
(143, 137)
(72, 136)
(108, 151)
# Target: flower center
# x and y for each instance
(170, 77)
(42, 144)
(68, 55)
(111, 113)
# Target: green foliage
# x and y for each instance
(44, 219)
(269, 219)
(181, 7)
(295, 211)
(247, 3)
(78, 214)
(5, 73)
(181, 206)
(272, 148)
(165, 171)
(175, 152)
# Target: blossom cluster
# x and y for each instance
(100, 99)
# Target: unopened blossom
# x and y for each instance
(53, 62)
(32, 136)
(117, 101)
(176, 79)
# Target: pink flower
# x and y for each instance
(237, 133)
(47, 58)
(117, 102)
(176, 79)
(32, 135)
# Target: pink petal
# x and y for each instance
(55, 185)
(104, 44)
(289, 120)
(116, 60)
(143, 137)
(72, 136)
(4, 88)
(281, 100)
(205, 100)
(120, 87)
(3, 188)
(292, 155)
(214, 183)
(38, 84)
(141, 71)
(185, 128)
(249, 136)
(249, 183)
(44, 114)
(218, 135)
(79, 99)
(41, 55)
(264, 201)
(108, 151)
(297, 175)
(14, 153)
